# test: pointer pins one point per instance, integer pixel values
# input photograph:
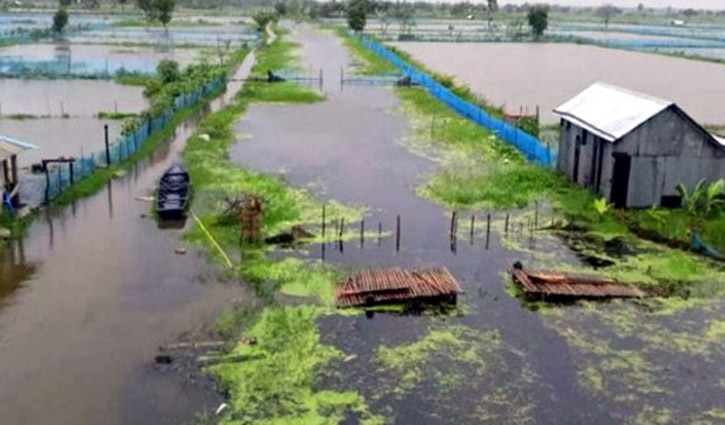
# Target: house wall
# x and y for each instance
(589, 151)
(666, 150)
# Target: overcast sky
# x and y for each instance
(679, 4)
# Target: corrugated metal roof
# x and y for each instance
(611, 112)
(719, 139)
(10, 146)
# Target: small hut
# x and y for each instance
(9, 150)
(634, 149)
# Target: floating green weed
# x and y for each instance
(459, 361)
(271, 382)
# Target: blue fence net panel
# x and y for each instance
(530, 146)
(59, 178)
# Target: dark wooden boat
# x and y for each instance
(173, 195)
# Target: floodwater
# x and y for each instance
(531, 74)
(90, 59)
(68, 97)
(209, 36)
(88, 296)
(56, 137)
(350, 148)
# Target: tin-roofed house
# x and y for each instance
(635, 149)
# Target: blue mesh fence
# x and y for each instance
(61, 177)
(531, 147)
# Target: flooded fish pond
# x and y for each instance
(80, 59)
(547, 75)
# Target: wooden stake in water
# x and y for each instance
(453, 223)
(323, 222)
(536, 215)
(380, 233)
(473, 223)
(342, 227)
(397, 234)
(506, 226)
(362, 234)
(488, 229)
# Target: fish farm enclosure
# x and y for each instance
(361, 212)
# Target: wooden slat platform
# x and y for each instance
(549, 284)
(397, 285)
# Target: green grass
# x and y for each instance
(116, 115)
(271, 382)
(372, 64)
(20, 117)
(133, 78)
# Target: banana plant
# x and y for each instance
(705, 198)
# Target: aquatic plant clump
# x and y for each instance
(272, 380)
(634, 359)
(459, 364)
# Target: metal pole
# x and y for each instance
(70, 166)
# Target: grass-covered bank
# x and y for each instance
(479, 171)
(274, 380)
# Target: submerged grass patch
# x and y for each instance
(460, 364)
(631, 356)
(272, 381)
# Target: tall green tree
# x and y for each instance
(147, 7)
(538, 19)
(607, 12)
(490, 10)
(281, 8)
(357, 15)
(164, 11)
(60, 20)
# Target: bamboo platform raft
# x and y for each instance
(396, 286)
(544, 285)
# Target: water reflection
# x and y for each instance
(14, 270)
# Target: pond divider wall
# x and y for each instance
(125, 146)
(534, 149)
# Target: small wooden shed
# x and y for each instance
(635, 149)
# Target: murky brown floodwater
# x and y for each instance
(88, 58)
(530, 74)
(88, 296)
(350, 148)
(71, 97)
(57, 137)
